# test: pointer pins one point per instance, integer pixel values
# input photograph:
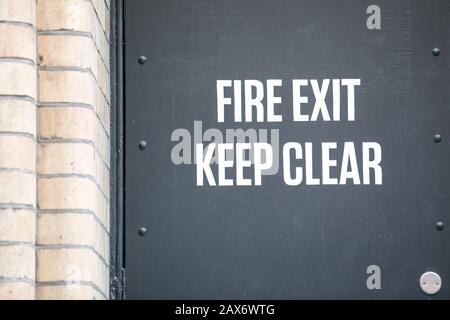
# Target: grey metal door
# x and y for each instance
(366, 226)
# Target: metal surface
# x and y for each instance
(436, 51)
(142, 231)
(117, 271)
(430, 283)
(276, 241)
(142, 59)
(143, 145)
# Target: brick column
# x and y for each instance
(73, 149)
(17, 148)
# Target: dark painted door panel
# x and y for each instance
(277, 241)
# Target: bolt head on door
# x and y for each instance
(436, 51)
(430, 283)
(142, 59)
(142, 144)
(142, 231)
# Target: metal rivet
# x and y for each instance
(440, 225)
(437, 138)
(430, 282)
(142, 59)
(436, 51)
(142, 145)
(142, 231)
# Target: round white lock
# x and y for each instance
(430, 282)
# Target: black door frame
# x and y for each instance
(117, 174)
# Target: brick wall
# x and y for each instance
(18, 96)
(54, 149)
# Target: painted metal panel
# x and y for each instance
(277, 241)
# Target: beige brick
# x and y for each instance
(17, 41)
(102, 241)
(17, 79)
(73, 158)
(71, 264)
(103, 144)
(17, 116)
(67, 228)
(67, 292)
(103, 78)
(18, 11)
(18, 187)
(18, 261)
(106, 174)
(67, 193)
(17, 152)
(107, 24)
(67, 51)
(59, 123)
(68, 123)
(73, 15)
(95, 4)
(56, 158)
(73, 229)
(106, 211)
(17, 291)
(103, 110)
(101, 13)
(17, 225)
(102, 176)
(102, 43)
(72, 193)
(66, 86)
